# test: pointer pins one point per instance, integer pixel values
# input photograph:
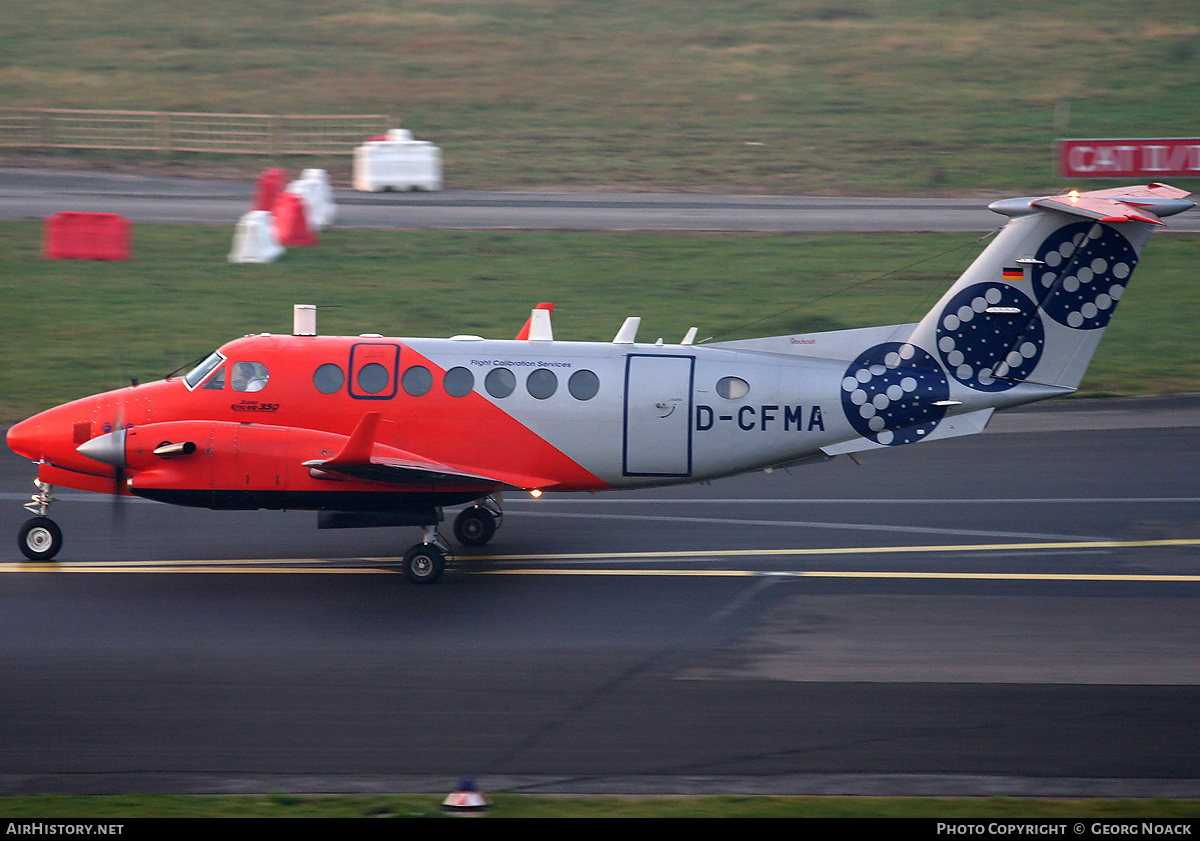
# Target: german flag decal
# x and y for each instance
(1013, 275)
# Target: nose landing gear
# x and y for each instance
(40, 538)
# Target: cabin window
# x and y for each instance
(197, 374)
(417, 380)
(732, 388)
(328, 378)
(583, 385)
(372, 378)
(541, 383)
(500, 382)
(372, 374)
(249, 376)
(458, 382)
(216, 382)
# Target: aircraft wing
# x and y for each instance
(362, 458)
(401, 471)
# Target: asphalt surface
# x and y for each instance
(1013, 613)
(37, 194)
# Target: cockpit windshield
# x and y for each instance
(196, 376)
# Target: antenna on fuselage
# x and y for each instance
(539, 326)
(690, 336)
(628, 332)
(523, 335)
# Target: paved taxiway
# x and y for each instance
(768, 633)
(35, 193)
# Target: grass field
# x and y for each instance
(76, 327)
(833, 96)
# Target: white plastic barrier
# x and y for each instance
(397, 163)
(254, 239)
(317, 195)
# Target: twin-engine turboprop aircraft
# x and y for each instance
(376, 431)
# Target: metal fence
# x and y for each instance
(169, 131)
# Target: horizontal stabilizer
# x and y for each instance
(955, 426)
(1144, 203)
(1103, 210)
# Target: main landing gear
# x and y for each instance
(425, 562)
(40, 538)
(474, 526)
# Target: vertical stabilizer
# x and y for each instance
(1021, 324)
(1034, 305)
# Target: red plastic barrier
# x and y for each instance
(291, 223)
(270, 185)
(86, 236)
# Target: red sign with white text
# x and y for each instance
(1135, 158)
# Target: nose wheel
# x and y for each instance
(40, 538)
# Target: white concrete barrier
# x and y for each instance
(254, 239)
(317, 195)
(397, 163)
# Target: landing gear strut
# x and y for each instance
(40, 538)
(475, 526)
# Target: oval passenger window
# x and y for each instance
(731, 388)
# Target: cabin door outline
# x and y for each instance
(657, 439)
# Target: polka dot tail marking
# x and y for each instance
(1086, 268)
(990, 336)
(889, 392)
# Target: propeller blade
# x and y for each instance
(118, 501)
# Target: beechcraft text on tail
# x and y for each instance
(378, 431)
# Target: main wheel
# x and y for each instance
(474, 526)
(424, 563)
(40, 539)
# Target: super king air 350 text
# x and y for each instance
(376, 431)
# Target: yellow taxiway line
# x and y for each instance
(361, 566)
(847, 550)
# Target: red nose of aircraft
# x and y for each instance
(77, 435)
(25, 439)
